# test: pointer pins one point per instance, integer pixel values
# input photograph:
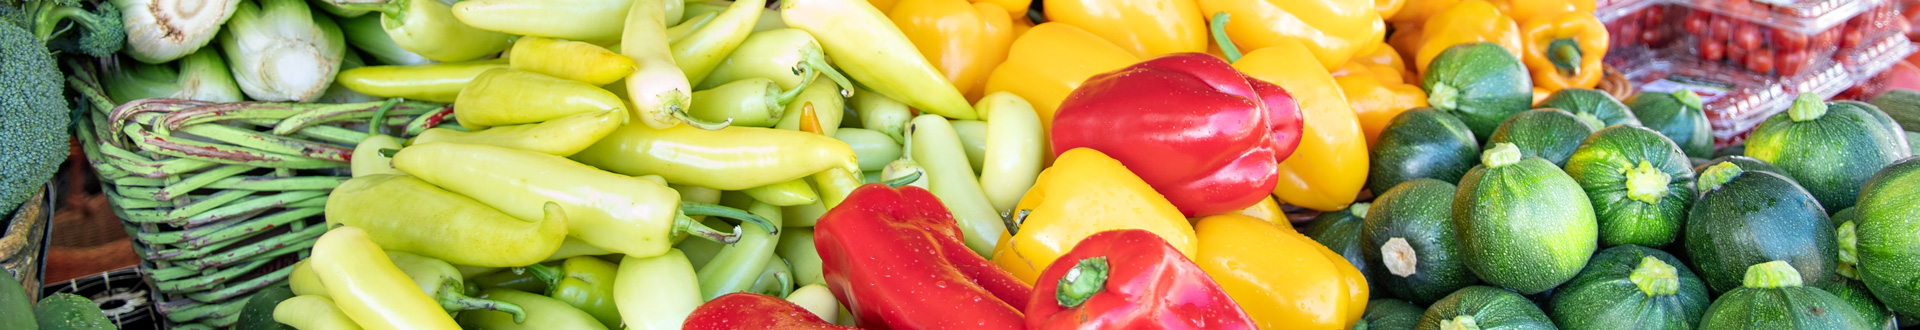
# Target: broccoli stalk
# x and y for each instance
(101, 30)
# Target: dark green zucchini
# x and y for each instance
(1551, 134)
(1523, 224)
(1484, 308)
(1903, 105)
(1747, 164)
(1411, 245)
(1773, 296)
(1745, 218)
(1679, 116)
(63, 311)
(1389, 314)
(1631, 287)
(1732, 150)
(1421, 143)
(1481, 83)
(1340, 232)
(257, 314)
(1829, 148)
(1592, 102)
(15, 312)
(1887, 236)
(1856, 294)
(1639, 183)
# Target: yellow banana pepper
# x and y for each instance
(1564, 51)
(965, 41)
(1147, 27)
(1468, 22)
(1416, 12)
(1052, 59)
(1283, 279)
(1527, 10)
(1334, 30)
(1330, 166)
(1084, 193)
(1375, 99)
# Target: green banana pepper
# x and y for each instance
(790, 193)
(403, 213)
(753, 102)
(829, 108)
(879, 113)
(656, 293)
(796, 246)
(542, 313)
(775, 279)
(700, 251)
(517, 279)
(736, 267)
(428, 28)
(438, 82)
(442, 282)
(585, 283)
(774, 54)
(312, 313)
(365, 34)
(699, 53)
(873, 148)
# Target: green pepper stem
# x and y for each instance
(1688, 98)
(1771, 275)
(1219, 29)
(549, 274)
(1848, 237)
(694, 208)
(1013, 219)
(904, 180)
(786, 283)
(1085, 279)
(1655, 277)
(682, 223)
(1647, 184)
(1807, 107)
(1463, 322)
(1565, 54)
(451, 299)
(813, 57)
(380, 116)
(1718, 175)
(1501, 154)
(389, 152)
(781, 99)
(681, 113)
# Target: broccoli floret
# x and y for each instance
(101, 31)
(33, 116)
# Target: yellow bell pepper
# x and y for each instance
(882, 5)
(1564, 51)
(1085, 192)
(1405, 41)
(1148, 28)
(1330, 166)
(1283, 279)
(1527, 10)
(1267, 210)
(965, 41)
(1375, 99)
(1334, 30)
(1416, 12)
(1015, 8)
(1468, 22)
(1384, 56)
(1052, 59)
(1388, 8)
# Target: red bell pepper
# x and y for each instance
(1130, 279)
(1203, 134)
(745, 310)
(895, 258)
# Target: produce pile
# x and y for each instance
(949, 164)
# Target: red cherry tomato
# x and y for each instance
(1713, 51)
(1747, 36)
(1760, 62)
(1696, 22)
(1722, 28)
(1792, 62)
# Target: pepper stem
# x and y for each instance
(681, 113)
(779, 101)
(1502, 154)
(693, 208)
(549, 274)
(451, 299)
(1647, 184)
(1086, 278)
(1718, 175)
(815, 59)
(682, 223)
(1444, 97)
(1688, 98)
(1771, 275)
(1565, 54)
(1013, 219)
(1655, 277)
(1807, 107)
(1463, 322)
(389, 152)
(1219, 29)
(380, 116)
(903, 180)
(1848, 237)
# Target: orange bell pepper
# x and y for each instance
(1330, 166)
(1468, 22)
(965, 41)
(1146, 27)
(1052, 59)
(1283, 279)
(1527, 10)
(1405, 40)
(1564, 51)
(1416, 12)
(1333, 30)
(1384, 56)
(1388, 8)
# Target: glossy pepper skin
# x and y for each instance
(1050, 61)
(1084, 193)
(1528, 10)
(1270, 272)
(1203, 166)
(403, 213)
(1330, 166)
(369, 288)
(1335, 30)
(744, 311)
(1468, 22)
(964, 40)
(1130, 279)
(1377, 96)
(894, 257)
(584, 282)
(1147, 28)
(1564, 51)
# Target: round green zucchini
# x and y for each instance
(1421, 143)
(1523, 224)
(1772, 296)
(1411, 244)
(1484, 308)
(1631, 287)
(1481, 83)
(1679, 116)
(1593, 102)
(1829, 148)
(1551, 134)
(1340, 232)
(1887, 236)
(1390, 314)
(1639, 183)
(1745, 218)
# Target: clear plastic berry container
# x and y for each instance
(1735, 99)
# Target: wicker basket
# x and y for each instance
(221, 198)
(1616, 84)
(23, 241)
